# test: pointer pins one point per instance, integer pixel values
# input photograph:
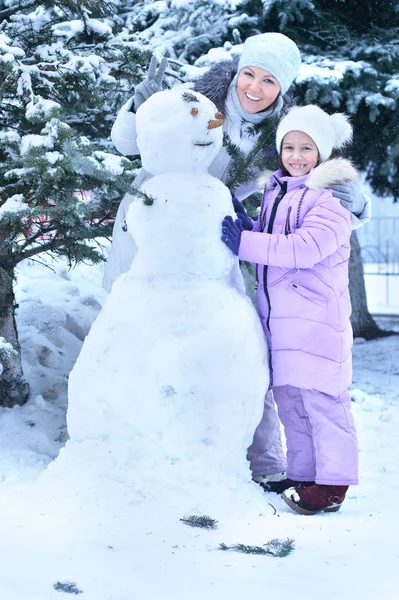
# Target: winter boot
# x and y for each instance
(262, 479)
(273, 478)
(278, 487)
(316, 498)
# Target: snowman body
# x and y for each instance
(178, 342)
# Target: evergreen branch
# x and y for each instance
(244, 167)
(52, 245)
(7, 13)
(274, 508)
(87, 167)
(203, 521)
(189, 97)
(69, 587)
(277, 548)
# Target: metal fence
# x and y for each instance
(379, 242)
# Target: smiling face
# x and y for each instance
(256, 89)
(299, 153)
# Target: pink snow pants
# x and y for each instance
(266, 454)
(321, 436)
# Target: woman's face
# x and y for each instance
(299, 153)
(256, 89)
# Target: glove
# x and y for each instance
(241, 213)
(152, 83)
(231, 233)
(350, 196)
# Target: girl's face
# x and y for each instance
(256, 89)
(299, 153)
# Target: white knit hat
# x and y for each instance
(275, 53)
(327, 131)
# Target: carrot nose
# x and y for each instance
(213, 123)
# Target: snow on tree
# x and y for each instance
(64, 72)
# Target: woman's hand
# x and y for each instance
(152, 83)
(350, 196)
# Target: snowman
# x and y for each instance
(174, 369)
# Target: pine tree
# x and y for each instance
(65, 70)
(352, 49)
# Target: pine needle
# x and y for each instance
(203, 521)
(69, 587)
(189, 97)
(276, 548)
(244, 167)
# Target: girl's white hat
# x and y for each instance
(327, 131)
(275, 53)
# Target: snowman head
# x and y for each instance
(178, 130)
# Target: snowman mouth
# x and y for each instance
(203, 143)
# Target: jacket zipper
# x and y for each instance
(279, 197)
(287, 228)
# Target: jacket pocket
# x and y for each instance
(282, 277)
(311, 295)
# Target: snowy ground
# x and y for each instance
(114, 547)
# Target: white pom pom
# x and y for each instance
(342, 128)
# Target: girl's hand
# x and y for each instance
(231, 233)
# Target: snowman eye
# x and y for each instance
(194, 111)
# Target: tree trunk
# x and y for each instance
(13, 388)
(363, 323)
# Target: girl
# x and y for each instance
(301, 246)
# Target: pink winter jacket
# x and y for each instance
(303, 236)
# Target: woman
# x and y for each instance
(250, 93)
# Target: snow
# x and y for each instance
(110, 162)
(115, 546)
(160, 116)
(103, 509)
(107, 519)
(9, 53)
(392, 86)
(41, 108)
(160, 385)
(34, 140)
(310, 72)
(14, 203)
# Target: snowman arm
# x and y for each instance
(123, 132)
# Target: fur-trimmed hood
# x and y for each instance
(216, 82)
(335, 170)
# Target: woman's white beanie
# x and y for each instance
(275, 53)
(327, 131)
